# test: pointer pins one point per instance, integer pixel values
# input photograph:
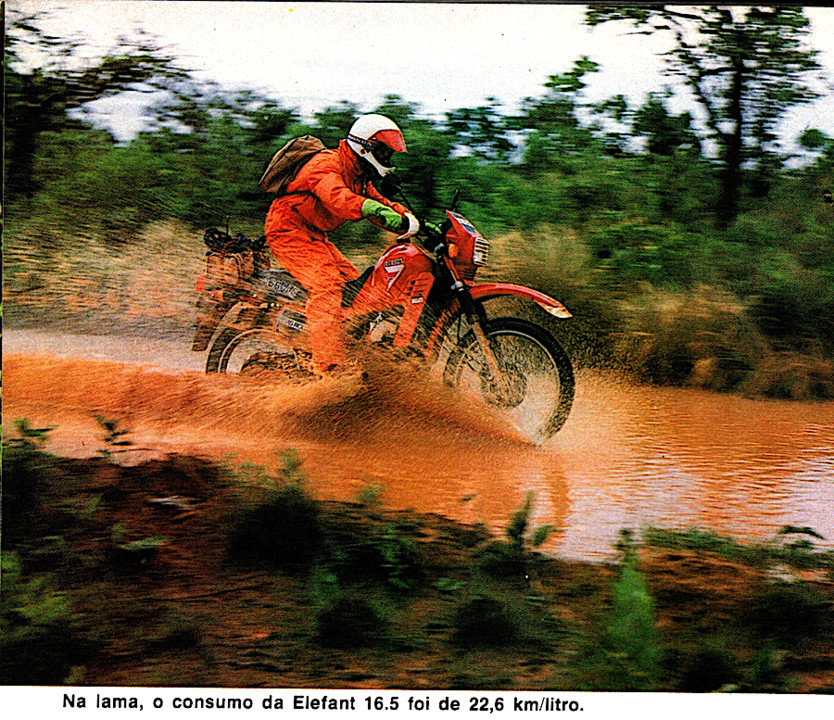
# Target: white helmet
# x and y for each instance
(375, 138)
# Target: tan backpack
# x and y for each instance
(286, 163)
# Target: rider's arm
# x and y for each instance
(330, 188)
(338, 198)
(389, 219)
(374, 194)
(383, 216)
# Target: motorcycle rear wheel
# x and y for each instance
(258, 352)
(538, 380)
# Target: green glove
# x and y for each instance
(388, 218)
(433, 228)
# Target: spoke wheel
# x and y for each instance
(258, 353)
(535, 392)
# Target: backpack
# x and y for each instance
(286, 163)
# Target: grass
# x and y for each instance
(793, 546)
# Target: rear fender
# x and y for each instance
(488, 291)
(211, 313)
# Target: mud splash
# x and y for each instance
(628, 456)
(400, 434)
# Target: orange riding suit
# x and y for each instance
(327, 192)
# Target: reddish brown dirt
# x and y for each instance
(183, 615)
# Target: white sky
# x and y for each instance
(441, 56)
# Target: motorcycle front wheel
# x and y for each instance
(536, 391)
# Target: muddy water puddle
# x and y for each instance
(629, 456)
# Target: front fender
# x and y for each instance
(488, 291)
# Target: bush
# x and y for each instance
(276, 523)
(38, 645)
(707, 670)
(482, 621)
(27, 472)
(400, 560)
(787, 612)
(509, 559)
(349, 622)
(283, 531)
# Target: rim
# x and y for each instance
(534, 382)
(247, 344)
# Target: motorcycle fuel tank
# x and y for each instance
(399, 276)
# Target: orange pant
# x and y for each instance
(323, 271)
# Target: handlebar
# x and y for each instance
(431, 240)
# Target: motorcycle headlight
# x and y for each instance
(480, 253)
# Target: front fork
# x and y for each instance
(477, 319)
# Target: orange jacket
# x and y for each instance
(330, 191)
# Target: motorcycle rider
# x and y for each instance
(334, 187)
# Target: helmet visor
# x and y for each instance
(392, 138)
(383, 154)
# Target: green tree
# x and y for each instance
(49, 82)
(482, 131)
(555, 129)
(745, 67)
(664, 132)
(332, 124)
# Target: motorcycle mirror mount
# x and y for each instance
(454, 204)
(390, 187)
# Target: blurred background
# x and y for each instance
(662, 170)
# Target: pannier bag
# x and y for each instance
(231, 262)
(286, 163)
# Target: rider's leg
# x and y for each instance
(322, 270)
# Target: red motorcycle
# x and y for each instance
(418, 301)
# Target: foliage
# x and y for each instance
(509, 559)
(622, 652)
(37, 642)
(400, 559)
(793, 547)
(745, 67)
(29, 439)
(787, 612)
(350, 622)
(709, 669)
(113, 436)
(276, 525)
(631, 631)
(43, 99)
(383, 554)
(482, 622)
(27, 470)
